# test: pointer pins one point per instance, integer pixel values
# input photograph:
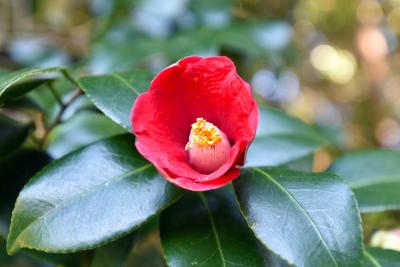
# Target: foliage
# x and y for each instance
(75, 192)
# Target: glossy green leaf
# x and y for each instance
(206, 229)
(281, 139)
(12, 134)
(115, 93)
(15, 84)
(102, 191)
(82, 129)
(374, 176)
(114, 254)
(21, 88)
(309, 219)
(377, 257)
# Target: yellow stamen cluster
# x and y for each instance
(203, 134)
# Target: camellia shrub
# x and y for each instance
(185, 161)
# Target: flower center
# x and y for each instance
(204, 134)
(208, 147)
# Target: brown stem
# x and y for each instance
(63, 107)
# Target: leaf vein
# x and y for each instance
(317, 230)
(214, 228)
(372, 259)
(114, 179)
(125, 82)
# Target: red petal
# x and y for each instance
(189, 184)
(194, 87)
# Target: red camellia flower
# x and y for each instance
(196, 122)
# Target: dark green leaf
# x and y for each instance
(115, 93)
(16, 170)
(81, 130)
(27, 257)
(114, 254)
(67, 260)
(281, 139)
(376, 257)
(208, 230)
(15, 84)
(374, 176)
(103, 192)
(4, 258)
(147, 251)
(12, 134)
(21, 88)
(309, 219)
(23, 102)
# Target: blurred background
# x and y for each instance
(335, 63)
(332, 62)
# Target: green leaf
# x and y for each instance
(67, 260)
(275, 122)
(45, 99)
(377, 257)
(115, 93)
(303, 164)
(207, 230)
(281, 139)
(27, 256)
(147, 251)
(374, 176)
(309, 219)
(4, 258)
(12, 134)
(15, 84)
(23, 103)
(280, 149)
(16, 169)
(114, 254)
(88, 198)
(82, 129)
